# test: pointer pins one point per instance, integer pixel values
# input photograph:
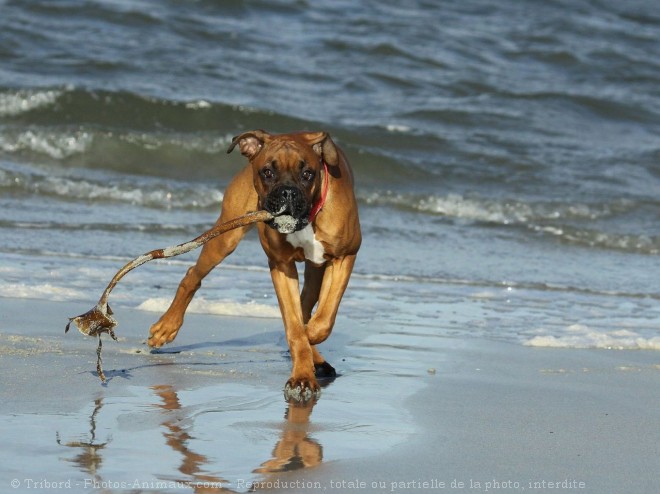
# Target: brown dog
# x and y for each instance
(305, 181)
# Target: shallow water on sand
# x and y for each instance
(159, 437)
(206, 411)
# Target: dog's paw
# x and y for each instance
(162, 332)
(302, 390)
(324, 370)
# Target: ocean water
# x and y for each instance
(507, 156)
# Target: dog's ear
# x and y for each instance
(250, 143)
(323, 146)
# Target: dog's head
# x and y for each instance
(287, 171)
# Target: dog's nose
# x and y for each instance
(289, 194)
(286, 194)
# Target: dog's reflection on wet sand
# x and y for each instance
(177, 438)
(294, 449)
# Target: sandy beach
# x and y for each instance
(207, 414)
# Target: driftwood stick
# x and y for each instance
(99, 319)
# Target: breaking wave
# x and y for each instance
(147, 193)
(223, 308)
(124, 132)
(581, 336)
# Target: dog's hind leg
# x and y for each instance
(235, 203)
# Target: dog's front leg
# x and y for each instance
(335, 280)
(302, 384)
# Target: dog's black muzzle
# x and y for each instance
(287, 203)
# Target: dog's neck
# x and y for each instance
(316, 209)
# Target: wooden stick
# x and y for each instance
(99, 319)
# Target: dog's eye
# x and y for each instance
(307, 175)
(267, 173)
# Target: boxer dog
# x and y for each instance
(305, 181)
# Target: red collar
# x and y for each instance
(316, 209)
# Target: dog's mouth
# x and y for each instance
(287, 224)
(289, 207)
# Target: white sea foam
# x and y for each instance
(397, 128)
(150, 195)
(224, 308)
(581, 336)
(57, 145)
(506, 212)
(18, 102)
(199, 104)
(460, 207)
(501, 211)
(44, 291)
(61, 144)
(209, 144)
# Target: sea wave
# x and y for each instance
(77, 106)
(153, 194)
(20, 101)
(502, 211)
(58, 145)
(129, 132)
(45, 291)
(581, 336)
(224, 308)
(595, 224)
(121, 109)
(571, 222)
(126, 132)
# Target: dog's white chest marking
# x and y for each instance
(305, 239)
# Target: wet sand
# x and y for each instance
(207, 414)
